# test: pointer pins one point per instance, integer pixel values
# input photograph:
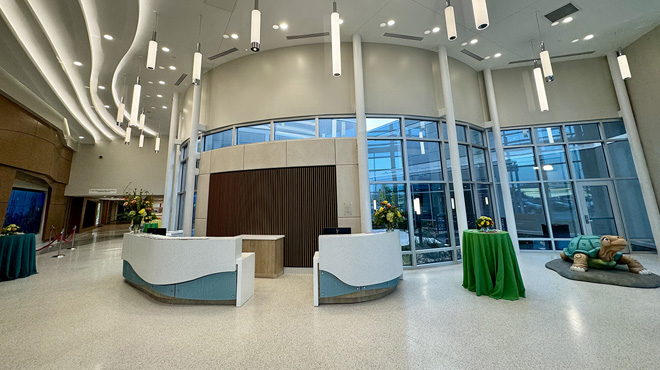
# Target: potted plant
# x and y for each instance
(388, 215)
(12, 229)
(138, 207)
(485, 223)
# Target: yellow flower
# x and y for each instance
(142, 211)
(381, 209)
(398, 214)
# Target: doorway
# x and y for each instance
(599, 209)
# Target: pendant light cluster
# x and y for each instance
(152, 49)
(544, 56)
(481, 20)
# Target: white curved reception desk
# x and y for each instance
(189, 270)
(356, 267)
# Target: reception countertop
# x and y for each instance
(261, 237)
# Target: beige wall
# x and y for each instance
(644, 89)
(120, 166)
(294, 153)
(401, 80)
(467, 89)
(582, 90)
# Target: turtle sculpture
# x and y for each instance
(600, 252)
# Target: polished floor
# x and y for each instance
(78, 313)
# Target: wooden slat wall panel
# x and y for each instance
(295, 202)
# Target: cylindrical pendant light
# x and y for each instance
(127, 139)
(255, 31)
(151, 54)
(142, 118)
(540, 88)
(336, 41)
(141, 143)
(197, 66)
(157, 148)
(135, 105)
(153, 48)
(120, 112)
(546, 64)
(450, 20)
(480, 14)
(623, 65)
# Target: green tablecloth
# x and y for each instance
(152, 225)
(17, 256)
(490, 266)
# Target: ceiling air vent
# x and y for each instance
(183, 77)
(471, 54)
(562, 12)
(555, 57)
(226, 52)
(405, 37)
(308, 36)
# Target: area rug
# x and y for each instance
(617, 276)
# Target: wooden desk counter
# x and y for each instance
(269, 254)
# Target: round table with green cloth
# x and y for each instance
(17, 256)
(490, 266)
(152, 225)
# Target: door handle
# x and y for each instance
(586, 218)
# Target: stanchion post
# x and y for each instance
(73, 238)
(59, 247)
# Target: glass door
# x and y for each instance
(600, 213)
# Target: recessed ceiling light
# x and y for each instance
(106, 106)
(427, 32)
(341, 21)
(436, 29)
(81, 137)
(284, 26)
(390, 22)
(383, 25)
(225, 36)
(276, 26)
(567, 20)
(173, 68)
(102, 87)
(150, 82)
(234, 36)
(464, 44)
(554, 23)
(77, 63)
(161, 82)
(108, 37)
(487, 57)
(160, 96)
(148, 96)
(164, 106)
(161, 67)
(589, 37)
(473, 41)
(576, 40)
(153, 107)
(497, 55)
(165, 49)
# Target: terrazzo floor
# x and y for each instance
(78, 313)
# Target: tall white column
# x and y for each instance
(641, 167)
(171, 158)
(499, 151)
(193, 155)
(175, 187)
(362, 149)
(452, 137)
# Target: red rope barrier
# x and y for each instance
(58, 237)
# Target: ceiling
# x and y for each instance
(44, 37)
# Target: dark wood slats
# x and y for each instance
(295, 202)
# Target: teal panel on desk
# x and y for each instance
(332, 286)
(216, 287)
(133, 277)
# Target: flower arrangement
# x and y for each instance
(12, 229)
(138, 207)
(485, 223)
(389, 215)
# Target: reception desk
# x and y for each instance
(356, 267)
(189, 270)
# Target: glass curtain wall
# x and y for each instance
(181, 183)
(409, 162)
(572, 179)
